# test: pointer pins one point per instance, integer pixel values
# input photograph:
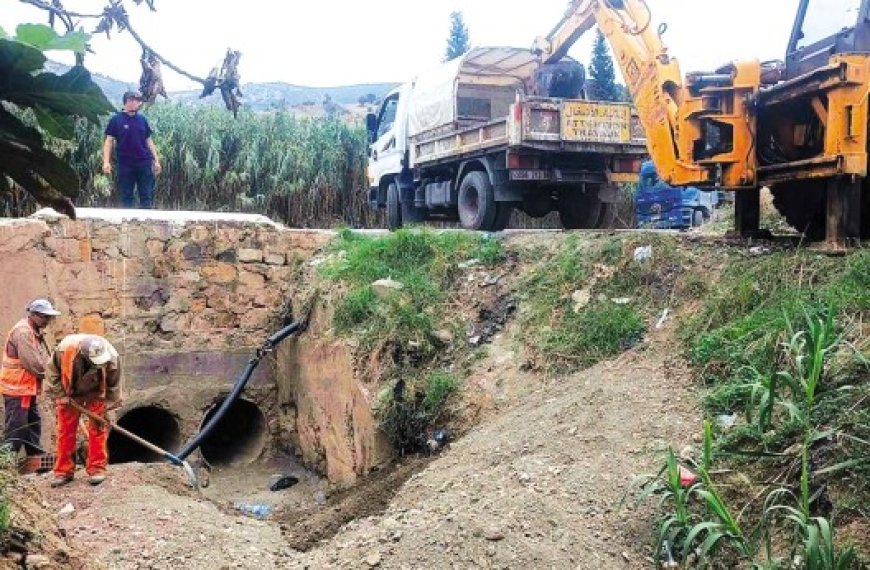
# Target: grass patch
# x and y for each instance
(780, 341)
(587, 301)
(425, 263)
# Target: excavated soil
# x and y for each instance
(538, 483)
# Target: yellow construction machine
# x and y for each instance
(798, 127)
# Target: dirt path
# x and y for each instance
(536, 486)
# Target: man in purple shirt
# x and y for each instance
(129, 134)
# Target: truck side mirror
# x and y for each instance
(372, 126)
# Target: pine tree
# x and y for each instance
(603, 85)
(457, 41)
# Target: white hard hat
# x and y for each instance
(98, 352)
(42, 307)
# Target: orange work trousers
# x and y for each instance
(98, 435)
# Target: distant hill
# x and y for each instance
(257, 96)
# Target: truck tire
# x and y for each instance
(502, 216)
(394, 208)
(803, 204)
(578, 209)
(607, 216)
(697, 218)
(476, 202)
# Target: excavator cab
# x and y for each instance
(823, 28)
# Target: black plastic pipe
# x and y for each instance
(240, 384)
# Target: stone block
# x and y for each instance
(219, 272)
(275, 258)
(251, 282)
(65, 250)
(251, 255)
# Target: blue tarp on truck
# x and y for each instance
(659, 205)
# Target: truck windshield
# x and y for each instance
(824, 18)
(388, 115)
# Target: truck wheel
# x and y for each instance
(394, 208)
(607, 215)
(803, 205)
(697, 218)
(477, 206)
(502, 216)
(579, 210)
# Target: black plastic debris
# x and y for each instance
(283, 483)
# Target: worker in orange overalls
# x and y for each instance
(84, 368)
(25, 355)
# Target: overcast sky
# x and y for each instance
(323, 43)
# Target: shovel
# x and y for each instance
(188, 470)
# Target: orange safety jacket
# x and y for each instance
(69, 350)
(15, 380)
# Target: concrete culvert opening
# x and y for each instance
(239, 437)
(152, 423)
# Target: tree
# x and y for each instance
(53, 103)
(457, 41)
(603, 86)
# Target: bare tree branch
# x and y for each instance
(118, 15)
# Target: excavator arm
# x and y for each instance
(696, 134)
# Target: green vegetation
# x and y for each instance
(793, 519)
(457, 40)
(779, 342)
(582, 303)
(35, 105)
(404, 321)
(301, 171)
(424, 263)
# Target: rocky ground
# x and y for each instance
(540, 482)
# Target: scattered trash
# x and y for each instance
(666, 557)
(661, 322)
(468, 264)
(284, 482)
(474, 340)
(444, 336)
(759, 250)
(581, 299)
(67, 510)
(386, 287)
(490, 281)
(726, 421)
(622, 300)
(437, 441)
(643, 253)
(256, 510)
(687, 477)
(320, 497)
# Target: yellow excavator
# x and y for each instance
(797, 127)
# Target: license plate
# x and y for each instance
(596, 122)
(530, 175)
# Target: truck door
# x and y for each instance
(385, 153)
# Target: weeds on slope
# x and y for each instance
(585, 301)
(408, 319)
(781, 345)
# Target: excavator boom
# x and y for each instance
(799, 128)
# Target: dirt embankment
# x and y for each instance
(538, 485)
(536, 481)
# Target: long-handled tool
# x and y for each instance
(175, 460)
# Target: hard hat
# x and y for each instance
(42, 307)
(98, 352)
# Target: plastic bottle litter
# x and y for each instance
(642, 253)
(256, 510)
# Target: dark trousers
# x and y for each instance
(23, 424)
(136, 177)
